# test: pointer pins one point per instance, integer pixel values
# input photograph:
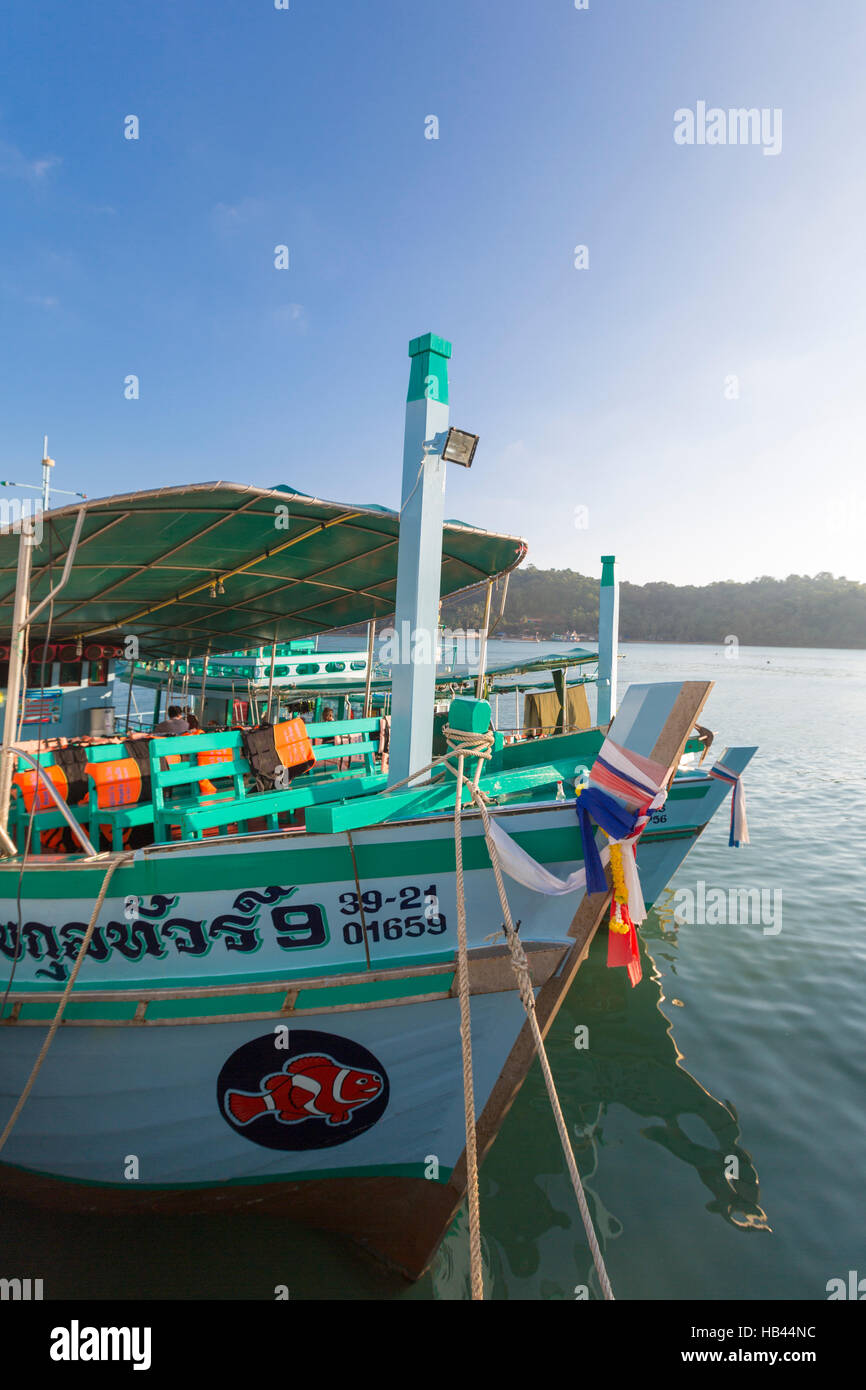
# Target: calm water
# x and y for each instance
(736, 1044)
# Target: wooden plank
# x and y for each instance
(220, 991)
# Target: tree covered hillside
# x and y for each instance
(800, 611)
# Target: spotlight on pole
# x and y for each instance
(460, 447)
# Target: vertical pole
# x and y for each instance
(482, 655)
(170, 684)
(271, 680)
(129, 696)
(564, 727)
(419, 561)
(16, 664)
(157, 703)
(47, 465)
(371, 647)
(204, 665)
(559, 677)
(608, 640)
(186, 676)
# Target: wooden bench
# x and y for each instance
(217, 809)
(271, 805)
(182, 782)
(329, 749)
(193, 778)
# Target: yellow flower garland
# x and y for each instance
(620, 893)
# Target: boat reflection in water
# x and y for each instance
(530, 1221)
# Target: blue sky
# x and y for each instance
(606, 389)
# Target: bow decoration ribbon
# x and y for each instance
(739, 825)
(624, 789)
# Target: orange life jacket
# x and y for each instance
(118, 783)
(28, 783)
(293, 744)
(213, 755)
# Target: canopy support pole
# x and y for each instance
(16, 665)
(371, 646)
(608, 640)
(129, 696)
(271, 681)
(21, 619)
(204, 665)
(482, 655)
(419, 557)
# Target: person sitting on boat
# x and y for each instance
(175, 724)
(327, 718)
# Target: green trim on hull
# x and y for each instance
(187, 871)
(379, 1170)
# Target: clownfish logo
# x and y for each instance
(327, 1091)
(306, 1088)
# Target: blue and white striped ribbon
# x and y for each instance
(739, 825)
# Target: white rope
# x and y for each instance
(475, 1260)
(58, 1017)
(480, 746)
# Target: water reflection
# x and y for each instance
(533, 1237)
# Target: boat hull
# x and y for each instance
(216, 1030)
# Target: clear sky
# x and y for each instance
(607, 388)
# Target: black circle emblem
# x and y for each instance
(310, 1091)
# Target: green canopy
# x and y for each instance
(223, 565)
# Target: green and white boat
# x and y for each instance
(236, 686)
(255, 1011)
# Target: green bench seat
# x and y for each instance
(270, 805)
(234, 803)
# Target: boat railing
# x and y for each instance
(77, 830)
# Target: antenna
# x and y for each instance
(45, 489)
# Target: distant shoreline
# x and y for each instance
(338, 638)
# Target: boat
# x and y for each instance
(236, 686)
(242, 686)
(262, 1007)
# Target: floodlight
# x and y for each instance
(460, 447)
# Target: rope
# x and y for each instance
(360, 902)
(479, 746)
(58, 1017)
(475, 1260)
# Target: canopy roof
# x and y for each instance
(290, 566)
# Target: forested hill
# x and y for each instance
(799, 611)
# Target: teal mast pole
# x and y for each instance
(419, 562)
(608, 640)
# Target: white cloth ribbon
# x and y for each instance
(524, 869)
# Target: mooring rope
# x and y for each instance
(58, 1017)
(480, 746)
(475, 1259)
